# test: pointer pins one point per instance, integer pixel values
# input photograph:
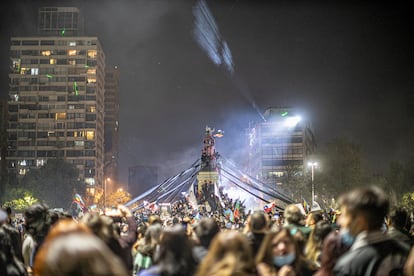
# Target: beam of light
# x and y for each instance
(208, 37)
(75, 88)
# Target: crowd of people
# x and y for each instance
(368, 237)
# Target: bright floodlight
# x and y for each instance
(292, 121)
(312, 164)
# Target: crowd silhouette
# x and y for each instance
(367, 237)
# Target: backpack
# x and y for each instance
(391, 259)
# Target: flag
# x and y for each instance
(192, 198)
(304, 204)
(229, 215)
(268, 208)
(237, 208)
(316, 207)
(217, 194)
(78, 199)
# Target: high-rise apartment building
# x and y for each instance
(279, 146)
(56, 101)
(58, 21)
(111, 119)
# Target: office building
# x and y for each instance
(279, 147)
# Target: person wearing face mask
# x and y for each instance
(279, 254)
(362, 215)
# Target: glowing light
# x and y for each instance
(62, 33)
(49, 76)
(292, 121)
(219, 134)
(284, 114)
(75, 88)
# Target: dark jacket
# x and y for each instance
(363, 260)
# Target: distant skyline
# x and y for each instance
(347, 65)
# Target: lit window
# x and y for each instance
(72, 43)
(79, 143)
(91, 71)
(40, 163)
(46, 53)
(72, 62)
(60, 116)
(92, 109)
(16, 65)
(90, 181)
(91, 80)
(90, 135)
(34, 71)
(72, 52)
(92, 53)
(22, 171)
(24, 71)
(52, 61)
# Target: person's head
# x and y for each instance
(102, 226)
(293, 214)
(229, 254)
(320, 231)
(37, 221)
(141, 229)
(65, 227)
(153, 219)
(400, 219)
(175, 255)
(153, 234)
(363, 209)
(258, 222)
(313, 218)
(77, 253)
(278, 248)
(205, 230)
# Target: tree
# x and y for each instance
(55, 183)
(399, 181)
(18, 199)
(296, 182)
(118, 197)
(341, 168)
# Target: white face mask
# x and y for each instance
(288, 259)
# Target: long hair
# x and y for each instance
(229, 254)
(77, 253)
(175, 253)
(265, 254)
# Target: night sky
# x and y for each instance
(348, 66)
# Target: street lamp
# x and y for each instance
(313, 165)
(106, 179)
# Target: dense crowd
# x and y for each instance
(367, 237)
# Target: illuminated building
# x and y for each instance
(279, 147)
(111, 130)
(56, 99)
